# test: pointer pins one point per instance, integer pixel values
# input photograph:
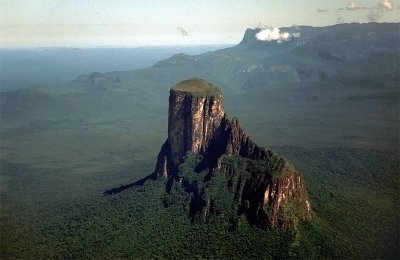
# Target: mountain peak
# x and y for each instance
(205, 148)
(250, 35)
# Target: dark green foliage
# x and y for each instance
(355, 196)
(136, 224)
(271, 167)
(353, 192)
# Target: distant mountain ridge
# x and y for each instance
(325, 66)
(317, 54)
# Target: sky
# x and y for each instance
(90, 23)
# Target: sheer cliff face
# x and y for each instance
(193, 119)
(195, 113)
(267, 188)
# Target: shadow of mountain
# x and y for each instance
(121, 188)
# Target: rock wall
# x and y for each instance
(239, 143)
(192, 122)
(281, 201)
(194, 116)
(271, 192)
(275, 197)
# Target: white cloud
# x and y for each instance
(275, 34)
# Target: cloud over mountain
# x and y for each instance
(275, 34)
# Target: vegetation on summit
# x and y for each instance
(198, 87)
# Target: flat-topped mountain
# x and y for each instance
(195, 113)
(211, 157)
(197, 87)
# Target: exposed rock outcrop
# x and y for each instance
(195, 114)
(261, 185)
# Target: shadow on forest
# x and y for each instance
(121, 188)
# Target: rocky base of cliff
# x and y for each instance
(235, 178)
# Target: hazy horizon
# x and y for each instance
(161, 46)
(44, 23)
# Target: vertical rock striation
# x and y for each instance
(194, 115)
(268, 189)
